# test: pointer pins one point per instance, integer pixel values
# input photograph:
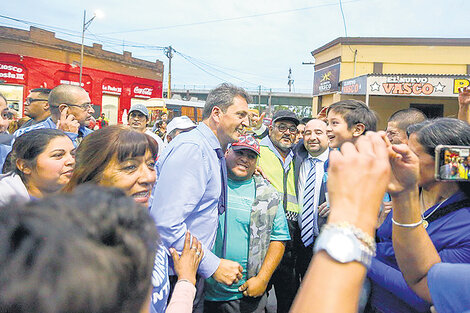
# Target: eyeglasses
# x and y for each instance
(283, 128)
(29, 100)
(85, 106)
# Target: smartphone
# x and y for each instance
(452, 163)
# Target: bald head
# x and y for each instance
(65, 94)
(315, 138)
(72, 98)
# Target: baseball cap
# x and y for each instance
(179, 122)
(246, 142)
(285, 115)
(139, 108)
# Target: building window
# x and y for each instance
(378, 68)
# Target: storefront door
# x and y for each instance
(110, 106)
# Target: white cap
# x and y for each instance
(179, 122)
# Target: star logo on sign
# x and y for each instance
(375, 87)
(439, 87)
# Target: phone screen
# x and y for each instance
(452, 163)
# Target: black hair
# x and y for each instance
(406, 117)
(44, 91)
(305, 120)
(355, 112)
(442, 131)
(222, 96)
(90, 251)
(28, 147)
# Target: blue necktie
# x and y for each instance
(309, 219)
(223, 173)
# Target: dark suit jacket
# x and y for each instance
(300, 154)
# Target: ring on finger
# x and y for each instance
(194, 247)
(198, 253)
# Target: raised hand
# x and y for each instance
(67, 122)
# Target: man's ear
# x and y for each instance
(358, 129)
(62, 107)
(216, 113)
(46, 106)
(270, 128)
(23, 166)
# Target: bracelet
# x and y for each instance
(357, 232)
(412, 225)
(181, 280)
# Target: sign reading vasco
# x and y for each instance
(407, 85)
(326, 80)
(354, 86)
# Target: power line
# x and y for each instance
(228, 19)
(199, 67)
(215, 69)
(77, 34)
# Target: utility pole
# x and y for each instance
(169, 54)
(290, 82)
(269, 101)
(259, 98)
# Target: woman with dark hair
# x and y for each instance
(444, 208)
(118, 156)
(41, 163)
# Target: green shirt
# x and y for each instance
(241, 195)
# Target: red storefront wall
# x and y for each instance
(34, 73)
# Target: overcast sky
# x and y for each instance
(248, 43)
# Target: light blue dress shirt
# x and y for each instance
(187, 193)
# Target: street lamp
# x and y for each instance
(86, 24)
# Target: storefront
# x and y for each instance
(111, 93)
(435, 95)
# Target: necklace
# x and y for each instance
(425, 223)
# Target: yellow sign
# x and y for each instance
(460, 83)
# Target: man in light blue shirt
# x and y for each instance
(70, 108)
(191, 179)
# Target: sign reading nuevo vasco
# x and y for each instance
(408, 85)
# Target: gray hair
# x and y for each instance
(222, 96)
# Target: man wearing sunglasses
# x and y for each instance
(70, 108)
(277, 162)
(36, 106)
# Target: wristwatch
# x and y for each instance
(343, 246)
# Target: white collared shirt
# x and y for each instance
(320, 171)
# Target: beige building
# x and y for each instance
(393, 73)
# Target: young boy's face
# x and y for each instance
(337, 130)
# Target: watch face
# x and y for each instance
(341, 247)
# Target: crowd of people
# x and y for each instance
(328, 213)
